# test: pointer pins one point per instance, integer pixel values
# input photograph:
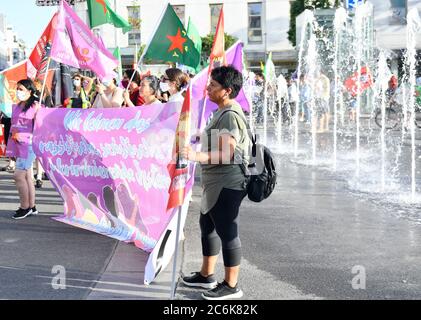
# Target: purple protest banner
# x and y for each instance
(110, 167)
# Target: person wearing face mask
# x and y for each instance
(133, 90)
(20, 145)
(148, 90)
(174, 81)
(108, 94)
(82, 86)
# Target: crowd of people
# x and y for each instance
(313, 98)
(135, 89)
(223, 182)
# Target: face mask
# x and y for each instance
(106, 83)
(164, 86)
(21, 95)
(76, 83)
(125, 83)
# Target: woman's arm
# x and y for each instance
(223, 155)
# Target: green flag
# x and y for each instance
(171, 43)
(100, 12)
(117, 55)
(194, 35)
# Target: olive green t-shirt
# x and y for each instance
(216, 176)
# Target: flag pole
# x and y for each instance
(177, 240)
(45, 80)
(148, 44)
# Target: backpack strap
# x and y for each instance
(252, 136)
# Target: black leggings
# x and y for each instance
(222, 220)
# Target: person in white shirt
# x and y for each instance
(108, 94)
(174, 81)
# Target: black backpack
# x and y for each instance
(261, 171)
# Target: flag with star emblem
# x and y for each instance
(170, 42)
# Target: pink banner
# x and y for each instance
(110, 167)
(74, 44)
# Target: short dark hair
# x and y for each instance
(229, 78)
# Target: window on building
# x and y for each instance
(255, 34)
(180, 11)
(397, 11)
(134, 20)
(215, 10)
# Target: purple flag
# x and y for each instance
(110, 167)
(235, 58)
(74, 44)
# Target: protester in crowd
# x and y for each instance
(127, 75)
(322, 96)
(305, 99)
(258, 96)
(224, 185)
(148, 91)
(6, 122)
(82, 87)
(292, 96)
(46, 101)
(20, 146)
(174, 81)
(134, 96)
(108, 94)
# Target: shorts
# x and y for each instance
(26, 163)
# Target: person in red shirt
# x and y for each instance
(135, 98)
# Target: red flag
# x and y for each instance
(41, 52)
(217, 56)
(180, 176)
(14, 74)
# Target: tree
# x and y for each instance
(298, 6)
(207, 43)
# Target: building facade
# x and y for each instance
(261, 25)
(12, 49)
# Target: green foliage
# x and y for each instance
(298, 6)
(207, 43)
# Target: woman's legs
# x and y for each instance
(225, 218)
(31, 188)
(22, 186)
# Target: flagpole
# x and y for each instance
(148, 44)
(45, 80)
(177, 240)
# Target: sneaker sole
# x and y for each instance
(236, 295)
(200, 285)
(23, 217)
(34, 213)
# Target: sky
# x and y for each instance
(28, 20)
